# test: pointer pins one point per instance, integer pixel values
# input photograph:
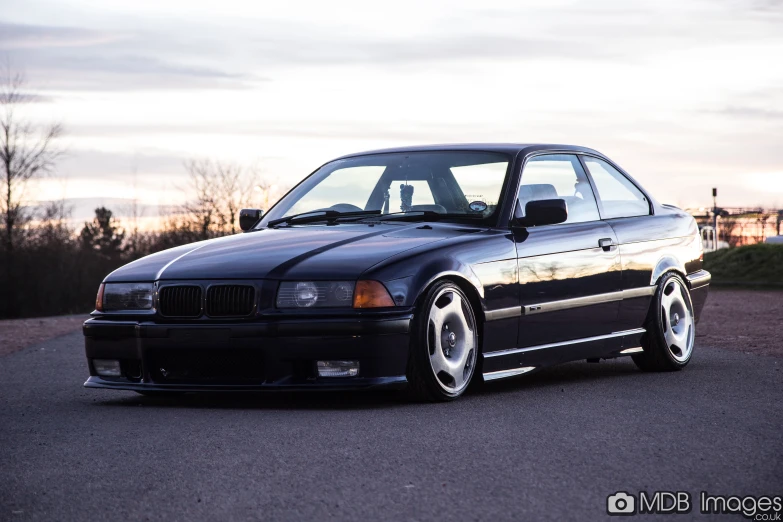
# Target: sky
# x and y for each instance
(685, 95)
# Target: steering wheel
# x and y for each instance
(345, 207)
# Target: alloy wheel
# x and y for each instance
(452, 340)
(677, 320)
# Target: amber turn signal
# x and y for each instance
(371, 294)
(99, 299)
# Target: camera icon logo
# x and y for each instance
(621, 503)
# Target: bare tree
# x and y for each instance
(267, 190)
(220, 191)
(26, 152)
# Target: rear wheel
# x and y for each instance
(671, 328)
(444, 344)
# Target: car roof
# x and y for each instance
(505, 148)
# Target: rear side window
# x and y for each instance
(619, 197)
(558, 176)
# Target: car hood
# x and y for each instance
(335, 252)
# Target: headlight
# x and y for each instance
(315, 294)
(125, 297)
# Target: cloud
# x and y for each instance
(68, 58)
(760, 104)
(752, 112)
(100, 165)
(138, 51)
(767, 5)
(25, 36)
(343, 129)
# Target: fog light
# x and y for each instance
(107, 367)
(338, 368)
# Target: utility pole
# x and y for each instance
(715, 214)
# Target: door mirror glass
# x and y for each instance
(249, 217)
(544, 212)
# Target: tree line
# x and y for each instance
(50, 267)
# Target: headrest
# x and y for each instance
(537, 191)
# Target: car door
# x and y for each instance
(642, 237)
(569, 273)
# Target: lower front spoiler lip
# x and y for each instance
(339, 384)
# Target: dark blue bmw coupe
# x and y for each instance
(424, 268)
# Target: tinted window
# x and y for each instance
(619, 197)
(350, 186)
(478, 182)
(558, 176)
(440, 181)
(421, 198)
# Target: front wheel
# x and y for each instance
(671, 328)
(444, 344)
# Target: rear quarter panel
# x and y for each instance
(651, 246)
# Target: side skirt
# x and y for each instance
(518, 361)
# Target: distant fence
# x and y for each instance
(741, 226)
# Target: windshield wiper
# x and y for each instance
(418, 214)
(320, 215)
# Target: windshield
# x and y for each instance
(459, 184)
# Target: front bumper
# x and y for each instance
(275, 354)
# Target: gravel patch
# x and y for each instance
(743, 320)
(16, 334)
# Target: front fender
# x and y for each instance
(405, 290)
(483, 263)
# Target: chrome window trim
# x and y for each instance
(580, 155)
(576, 155)
(650, 205)
(512, 351)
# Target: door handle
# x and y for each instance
(606, 244)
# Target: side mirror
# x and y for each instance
(249, 217)
(544, 212)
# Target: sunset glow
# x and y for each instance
(683, 95)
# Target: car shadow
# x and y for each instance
(549, 379)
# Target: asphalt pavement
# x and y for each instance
(551, 445)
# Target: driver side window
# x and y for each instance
(558, 176)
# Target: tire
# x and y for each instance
(444, 345)
(671, 328)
